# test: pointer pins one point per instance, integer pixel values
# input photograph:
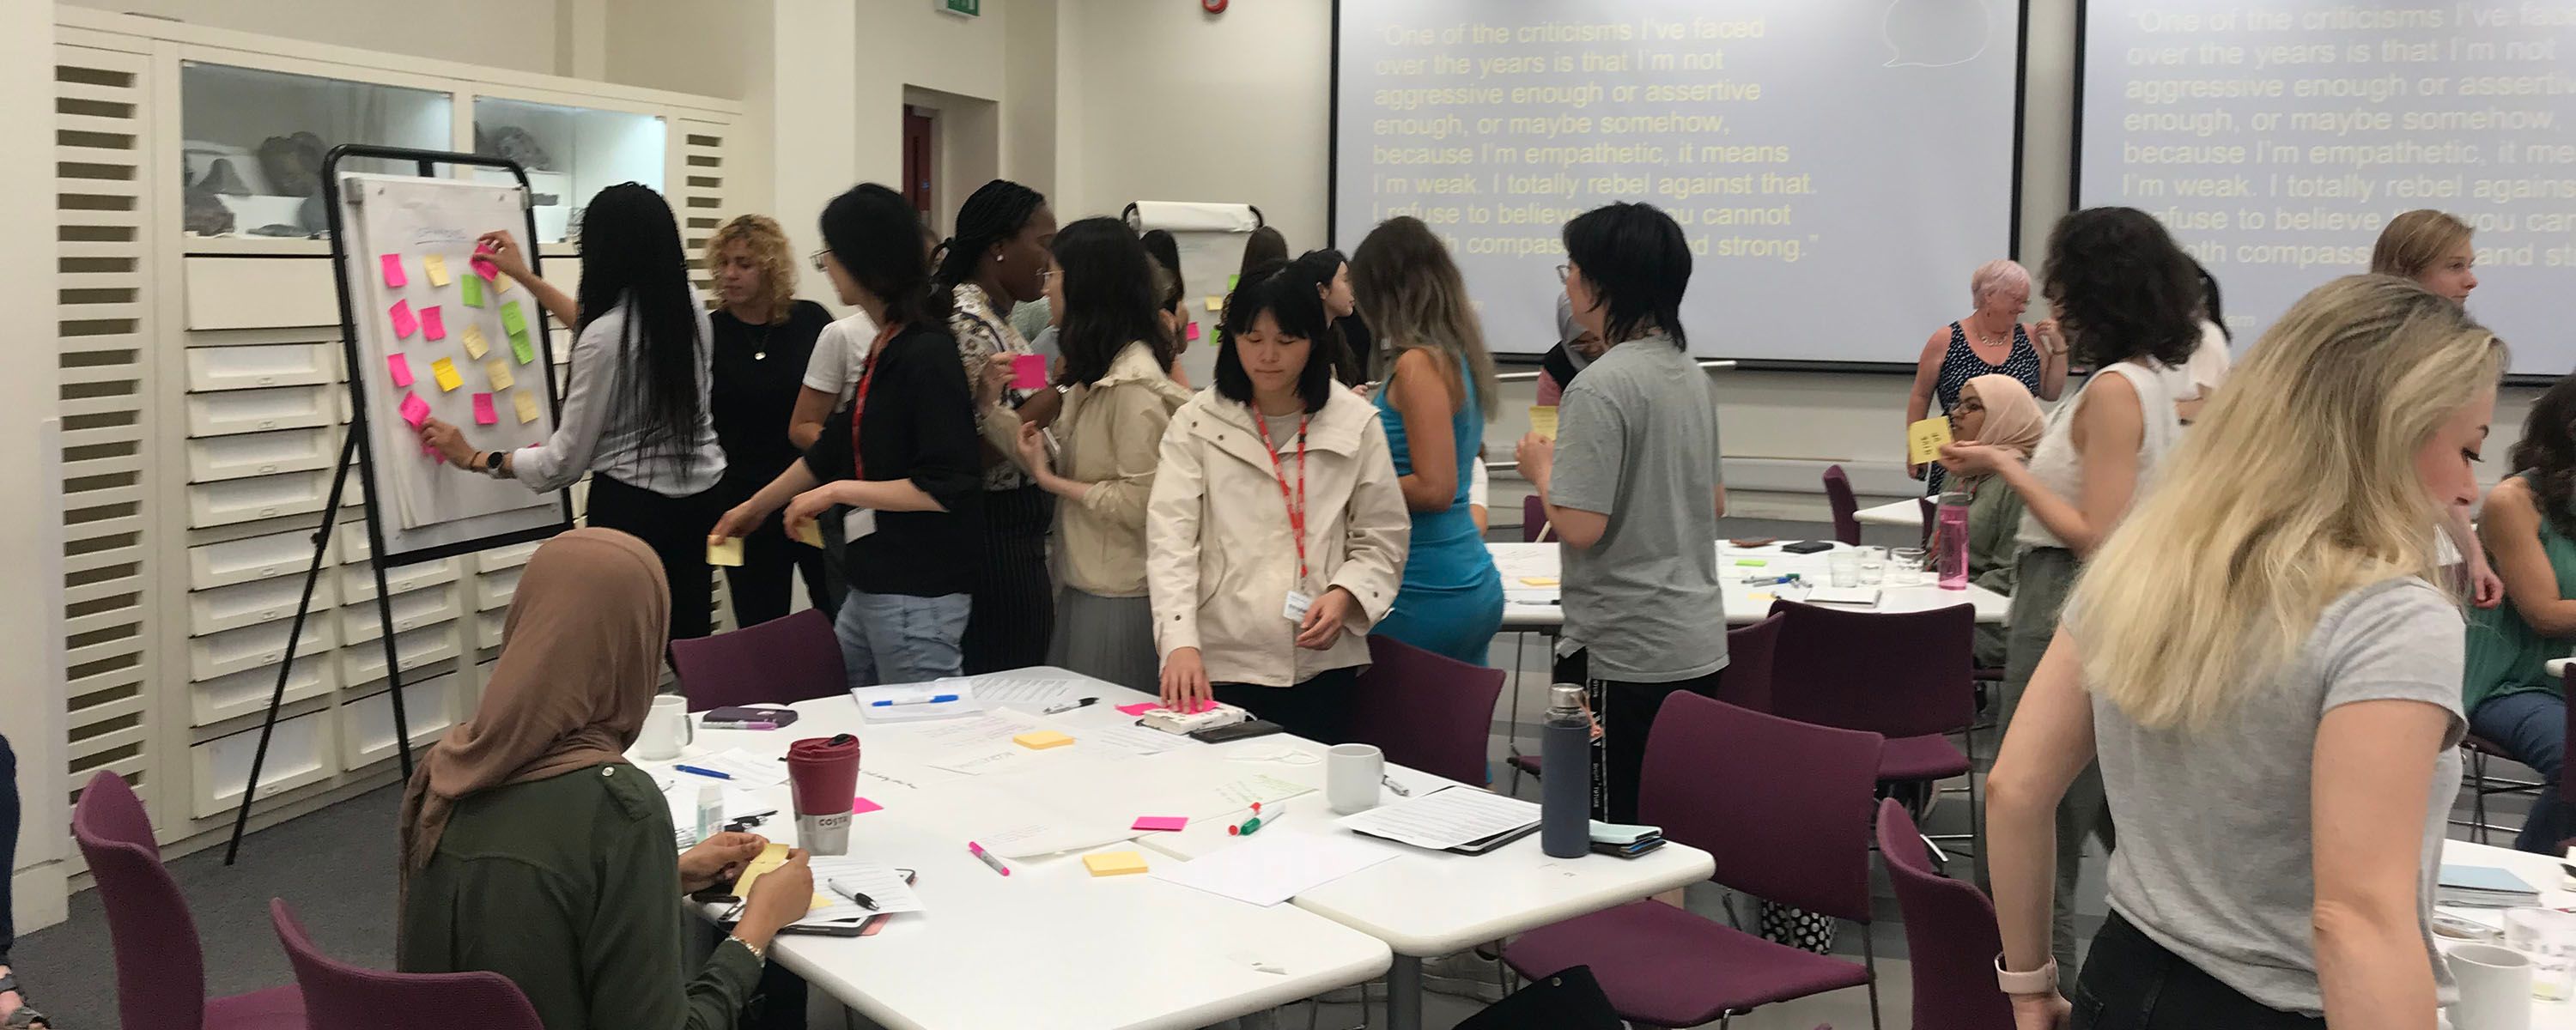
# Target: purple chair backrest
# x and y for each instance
(785, 660)
(1533, 518)
(1931, 518)
(1846, 509)
(1747, 681)
(1782, 806)
(340, 996)
(1949, 932)
(1426, 711)
(1896, 674)
(160, 964)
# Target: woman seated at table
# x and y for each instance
(1118, 399)
(2433, 248)
(531, 849)
(2512, 699)
(1990, 341)
(1276, 532)
(1997, 411)
(2263, 665)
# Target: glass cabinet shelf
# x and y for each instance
(253, 140)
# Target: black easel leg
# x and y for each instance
(295, 633)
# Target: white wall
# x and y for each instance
(31, 688)
(449, 30)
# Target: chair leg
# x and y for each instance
(2478, 795)
(1869, 955)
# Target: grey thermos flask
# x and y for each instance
(1565, 753)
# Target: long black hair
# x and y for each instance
(631, 257)
(2547, 450)
(1167, 253)
(2210, 306)
(2122, 288)
(996, 211)
(1109, 299)
(1638, 264)
(876, 236)
(1299, 313)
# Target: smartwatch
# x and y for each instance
(2038, 981)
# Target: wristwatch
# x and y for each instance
(2038, 981)
(492, 464)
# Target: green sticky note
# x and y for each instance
(1751, 562)
(472, 286)
(1230, 280)
(512, 320)
(521, 348)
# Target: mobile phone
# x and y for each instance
(1239, 731)
(1807, 547)
(736, 716)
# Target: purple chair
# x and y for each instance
(1784, 808)
(1533, 519)
(1902, 675)
(783, 661)
(160, 964)
(1426, 711)
(340, 996)
(1746, 683)
(1949, 932)
(1846, 508)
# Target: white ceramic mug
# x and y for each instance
(1352, 773)
(2495, 987)
(666, 729)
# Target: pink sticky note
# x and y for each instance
(432, 327)
(404, 323)
(398, 367)
(1028, 372)
(485, 268)
(393, 270)
(1193, 333)
(483, 413)
(1139, 708)
(414, 409)
(1161, 822)
(863, 806)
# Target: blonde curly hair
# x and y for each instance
(769, 249)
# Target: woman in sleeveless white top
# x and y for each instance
(2058, 468)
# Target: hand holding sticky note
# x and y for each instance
(808, 533)
(436, 266)
(1923, 440)
(1028, 372)
(414, 409)
(1543, 420)
(726, 552)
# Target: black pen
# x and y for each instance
(863, 900)
(1071, 705)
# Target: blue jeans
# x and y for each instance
(898, 638)
(2532, 727)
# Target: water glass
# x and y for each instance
(1873, 566)
(1843, 568)
(1908, 566)
(2548, 936)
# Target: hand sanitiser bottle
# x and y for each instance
(710, 811)
(1565, 798)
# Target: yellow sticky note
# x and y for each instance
(1538, 581)
(500, 283)
(771, 857)
(1041, 740)
(1216, 303)
(1758, 597)
(1543, 420)
(475, 345)
(727, 552)
(445, 370)
(499, 370)
(436, 266)
(1923, 440)
(1114, 863)
(809, 534)
(526, 403)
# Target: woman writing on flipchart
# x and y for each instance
(635, 413)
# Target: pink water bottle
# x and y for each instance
(1950, 540)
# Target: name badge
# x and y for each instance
(857, 523)
(1295, 609)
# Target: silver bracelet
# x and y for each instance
(757, 954)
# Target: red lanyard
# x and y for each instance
(1296, 506)
(859, 400)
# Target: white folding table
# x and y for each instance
(1533, 607)
(2557, 890)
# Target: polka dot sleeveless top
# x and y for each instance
(1961, 364)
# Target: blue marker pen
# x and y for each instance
(915, 701)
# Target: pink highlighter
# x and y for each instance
(978, 851)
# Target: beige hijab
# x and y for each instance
(2013, 420)
(581, 657)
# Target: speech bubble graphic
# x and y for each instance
(1935, 33)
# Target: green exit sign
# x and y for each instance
(967, 8)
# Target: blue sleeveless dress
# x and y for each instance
(1451, 602)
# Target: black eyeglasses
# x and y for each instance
(1564, 272)
(817, 259)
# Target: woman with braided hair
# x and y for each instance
(998, 258)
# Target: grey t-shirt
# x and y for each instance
(1637, 441)
(2215, 859)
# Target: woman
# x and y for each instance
(532, 850)
(2210, 361)
(1990, 341)
(2129, 304)
(1118, 398)
(1433, 410)
(997, 259)
(1174, 313)
(764, 341)
(1575, 347)
(1998, 411)
(636, 418)
(1354, 354)
(2274, 697)
(902, 454)
(1275, 535)
(2511, 697)
(1264, 249)
(2432, 248)
(1637, 500)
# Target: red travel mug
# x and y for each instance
(823, 775)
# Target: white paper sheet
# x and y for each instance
(1258, 788)
(911, 702)
(1131, 740)
(746, 769)
(1445, 818)
(1021, 690)
(1271, 868)
(880, 882)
